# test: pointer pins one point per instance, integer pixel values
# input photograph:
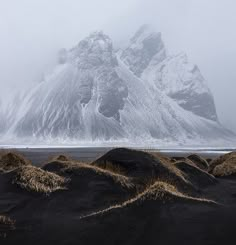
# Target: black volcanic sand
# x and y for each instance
(124, 197)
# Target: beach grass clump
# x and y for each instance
(160, 191)
(61, 157)
(117, 177)
(37, 180)
(10, 160)
(4, 220)
(220, 160)
(227, 168)
(6, 225)
(199, 161)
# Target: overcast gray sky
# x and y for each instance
(32, 31)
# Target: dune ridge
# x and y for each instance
(124, 187)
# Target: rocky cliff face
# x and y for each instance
(175, 75)
(183, 82)
(144, 46)
(140, 94)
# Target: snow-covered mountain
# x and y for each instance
(137, 94)
(144, 47)
(146, 56)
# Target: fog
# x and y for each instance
(31, 33)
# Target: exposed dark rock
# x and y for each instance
(143, 47)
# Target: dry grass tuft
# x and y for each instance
(62, 158)
(188, 162)
(6, 225)
(141, 166)
(199, 162)
(195, 175)
(10, 160)
(169, 164)
(163, 191)
(160, 156)
(221, 160)
(159, 191)
(115, 169)
(117, 177)
(227, 168)
(72, 167)
(173, 169)
(37, 180)
(6, 221)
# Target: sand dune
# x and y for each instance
(140, 195)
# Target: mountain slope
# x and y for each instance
(3, 119)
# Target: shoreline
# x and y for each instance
(89, 154)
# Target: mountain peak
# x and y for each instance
(94, 51)
(143, 47)
(144, 32)
(97, 40)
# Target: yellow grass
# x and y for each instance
(37, 180)
(62, 158)
(221, 160)
(10, 160)
(158, 191)
(6, 221)
(227, 168)
(6, 225)
(166, 162)
(113, 168)
(118, 178)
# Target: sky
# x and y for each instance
(32, 32)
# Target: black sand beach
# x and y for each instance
(123, 197)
